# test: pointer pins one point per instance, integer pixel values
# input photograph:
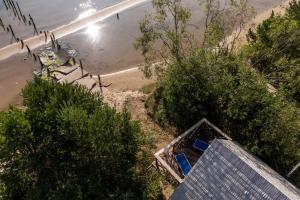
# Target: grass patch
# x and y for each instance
(149, 88)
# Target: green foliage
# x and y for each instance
(274, 50)
(214, 81)
(293, 10)
(235, 98)
(157, 29)
(147, 89)
(67, 144)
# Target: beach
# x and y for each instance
(109, 53)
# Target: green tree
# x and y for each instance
(67, 144)
(273, 49)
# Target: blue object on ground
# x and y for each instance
(200, 145)
(184, 164)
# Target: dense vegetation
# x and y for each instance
(215, 81)
(274, 50)
(67, 144)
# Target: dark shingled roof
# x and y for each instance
(226, 171)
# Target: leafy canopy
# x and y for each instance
(67, 144)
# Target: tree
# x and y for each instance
(165, 33)
(67, 144)
(273, 49)
(156, 30)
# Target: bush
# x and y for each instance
(67, 144)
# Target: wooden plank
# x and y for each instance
(87, 81)
(66, 69)
(73, 76)
(62, 71)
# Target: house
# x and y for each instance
(221, 169)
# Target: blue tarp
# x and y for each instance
(200, 145)
(184, 164)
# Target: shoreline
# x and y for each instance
(131, 79)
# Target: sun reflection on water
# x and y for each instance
(93, 32)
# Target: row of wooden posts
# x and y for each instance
(15, 8)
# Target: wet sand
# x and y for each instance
(14, 74)
(113, 52)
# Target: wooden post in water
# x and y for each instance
(22, 44)
(81, 67)
(42, 65)
(5, 4)
(12, 7)
(28, 50)
(19, 9)
(46, 37)
(15, 9)
(2, 24)
(74, 61)
(100, 84)
(12, 33)
(24, 19)
(34, 26)
(53, 36)
(34, 57)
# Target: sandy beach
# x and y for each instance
(15, 72)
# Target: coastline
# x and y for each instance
(14, 72)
